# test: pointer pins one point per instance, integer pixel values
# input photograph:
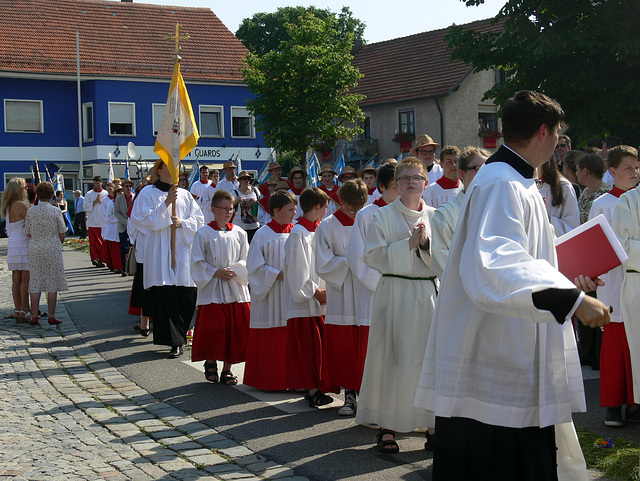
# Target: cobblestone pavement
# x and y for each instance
(66, 414)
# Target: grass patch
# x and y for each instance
(81, 245)
(619, 462)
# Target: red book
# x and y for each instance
(591, 249)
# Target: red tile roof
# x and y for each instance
(410, 68)
(116, 39)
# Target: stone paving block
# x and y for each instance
(250, 459)
(278, 473)
(235, 451)
(209, 459)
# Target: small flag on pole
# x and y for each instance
(110, 173)
(194, 176)
(238, 163)
(48, 174)
(37, 181)
(312, 170)
(178, 133)
(126, 168)
(339, 164)
(264, 173)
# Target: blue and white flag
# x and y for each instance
(264, 173)
(126, 168)
(194, 176)
(370, 163)
(110, 173)
(313, 167)
(339, 164)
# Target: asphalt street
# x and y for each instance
(316, 443)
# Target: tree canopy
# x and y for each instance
(263, 32)
(583, 53)
(301, 89)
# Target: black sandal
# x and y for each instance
(389, 446)
(228, 378)
(211, 371)
(431, 441)
(318, 399)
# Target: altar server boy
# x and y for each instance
(616, 382)
(219, 269)
(266, 354)
(306, 295)
(342, 346)
(446, 187)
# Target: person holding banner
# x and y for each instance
(92, 201)
(171, 289)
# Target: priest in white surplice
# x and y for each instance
(501, 367)
(171, 289)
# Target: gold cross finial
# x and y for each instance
(177, 37)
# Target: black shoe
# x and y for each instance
(94, 262)
(99, 264)
(319, 399)
(429, 445)
(175, 353)
(145, 332)
(124, 274)
(614, 417)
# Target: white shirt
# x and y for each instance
(566, 216)
(435, 195)
(443, 226)
(151, 215)
(94, 212)
(226, 184)
(436, 172)
(109, 220)
(198, 189)
(216, 249)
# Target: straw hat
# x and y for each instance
(244, 175)
(327, 168)
(282, 185)
(422, 141)
(347, 170)
(273, 165)
(228, 163)
(128, 182)
(272, 180)
(296, 170)
(368, 168)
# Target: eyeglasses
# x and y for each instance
(564, 146)
(476, 168)
(227, 209)
(414, 178)
(426, 152)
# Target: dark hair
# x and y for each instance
(450, 150)
(44, 191)
(612, 141)
(594, 163)
(386, 174)
(221, 194)
(311, 197)
(523, 115)
(619, 152)
(551, 176)
(202, 167)
(97, 178)
(566, 138)
(31, 193)
(469, 153)
(354, 193)
(281, 198)
(571, 159)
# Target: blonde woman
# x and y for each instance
(14, 210)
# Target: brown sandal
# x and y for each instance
(389, 446)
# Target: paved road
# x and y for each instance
(290, 438)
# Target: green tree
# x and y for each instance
(263, 32)
(583, 53)
(302, 89)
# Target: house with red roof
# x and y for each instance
(412, 87)
(80, 79)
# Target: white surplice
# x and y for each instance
(626, 225)
(443, 226)
(435, 195)
(401, 317)
(266, 260)
(566, 216)
(365, 277)
(263, 216)
(151, 216)
(611, 291)
(94, 212)
(109, 220)
(436, 172)
(300, 278)
(331, 265)
(205, 203)
(216, 249)
(492, 355)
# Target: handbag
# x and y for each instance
(130, 266)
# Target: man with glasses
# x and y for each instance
(562, 147)
(446, 187)
(425, 150)
(501, 362)
(230, 181)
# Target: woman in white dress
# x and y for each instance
(560, 199)
(14, 210)
(397, 246)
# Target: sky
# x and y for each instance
(384, 19)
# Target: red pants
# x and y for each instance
(96, 244)
(111, 254)
(616, 383)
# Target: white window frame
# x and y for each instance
(133, 120)
(211, 109)
(86, 120)
(243, 110)
(489, 109)
(153, 117)
(408, 109)
(40, 131)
